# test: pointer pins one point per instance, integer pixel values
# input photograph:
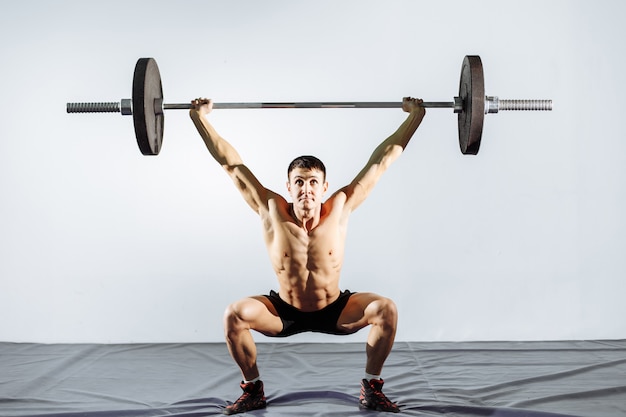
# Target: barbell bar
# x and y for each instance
(147, 106)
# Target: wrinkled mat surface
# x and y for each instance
(503, 379)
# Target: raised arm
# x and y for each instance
(387, 152)
(225, 154)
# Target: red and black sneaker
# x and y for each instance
(253, 398)
(372, 397)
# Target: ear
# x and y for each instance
(325, 186)
(288, 186)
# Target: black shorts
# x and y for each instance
(321, 321)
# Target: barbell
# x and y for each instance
(147, 107)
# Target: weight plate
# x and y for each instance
(147, 118)
(472, 94)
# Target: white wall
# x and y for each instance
(524, 241)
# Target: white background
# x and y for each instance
(523, 242)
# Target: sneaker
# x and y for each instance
(253, 398)
(372, 397)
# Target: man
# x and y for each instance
(305, 240)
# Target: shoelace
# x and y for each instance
(244, 397)
(380, 397)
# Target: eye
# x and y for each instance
(299, 182)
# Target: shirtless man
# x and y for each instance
(305, 241)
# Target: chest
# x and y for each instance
(285, 236)
(326, 236)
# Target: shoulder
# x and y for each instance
(350, 196)
(338, 197)
(337, 202)
(276, 202)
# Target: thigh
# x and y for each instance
(356, 315)
(259, 314)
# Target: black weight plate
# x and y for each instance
(148, 120)
(472, 94)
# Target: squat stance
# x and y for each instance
(305, 240)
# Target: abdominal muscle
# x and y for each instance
(311, 294)
(307, 265)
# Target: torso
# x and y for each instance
(307, 263)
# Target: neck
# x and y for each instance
(306, 219)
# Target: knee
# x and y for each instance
(384, 312)
(232, 318)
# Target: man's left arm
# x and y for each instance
(387, 152)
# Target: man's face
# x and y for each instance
(306, 187)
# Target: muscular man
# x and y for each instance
(305, 240)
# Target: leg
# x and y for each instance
(371, 309)
(254, 313)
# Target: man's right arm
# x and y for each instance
(225, 154)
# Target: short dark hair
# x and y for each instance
(307, 162)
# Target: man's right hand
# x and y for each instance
(201, 107)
